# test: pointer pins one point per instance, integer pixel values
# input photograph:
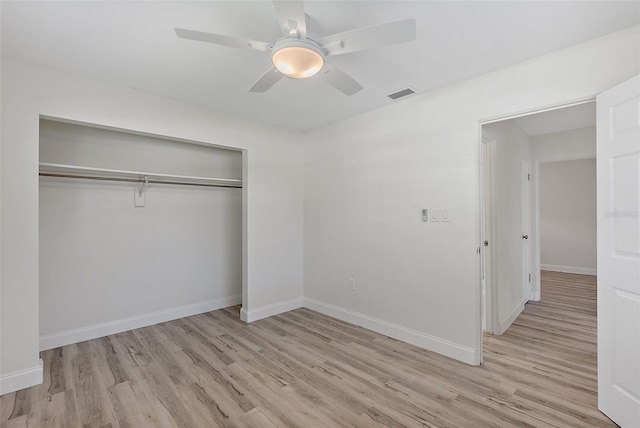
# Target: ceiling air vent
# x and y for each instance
(401, 93)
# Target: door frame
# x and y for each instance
(489, 263)
(527, 229)
(479, 218)
(487, 233)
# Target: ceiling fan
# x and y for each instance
(299, 57)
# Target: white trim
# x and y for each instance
(535, 295)
(251, 315)
(535, 236)
(570, 269)
(21, 379)
(490, 234)
(55, 340)
(509, 319)
(431, 343)
(537, 110)
(527, 228)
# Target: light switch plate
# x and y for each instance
(444, 214)
(435, 214)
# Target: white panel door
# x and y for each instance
(618, 153)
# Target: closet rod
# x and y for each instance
(136, 180)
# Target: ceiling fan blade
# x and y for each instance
(341, 81)
(371, 37)
(268, 79)
(291, 11)
(218, 39)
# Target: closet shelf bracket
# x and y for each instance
(143, 182)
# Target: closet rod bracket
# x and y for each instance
(143, 182)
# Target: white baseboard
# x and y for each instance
(570, 269)
(21, 379)
(431, 343)
(251, 315)
(55, 340)
(509, 319)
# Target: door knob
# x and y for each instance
(525, 236)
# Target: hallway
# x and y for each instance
(551, 352)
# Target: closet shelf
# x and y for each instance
(105, 174)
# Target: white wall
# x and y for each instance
(130, 266)
(568, 216)
(67, 143)
(512, 148)
(272, 229)
(368, 177)
(566, 145)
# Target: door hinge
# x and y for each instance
(528, 177)
(529, 277)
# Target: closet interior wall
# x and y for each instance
(107, 265)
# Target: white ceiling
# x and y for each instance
(563, 119)
(132, 43)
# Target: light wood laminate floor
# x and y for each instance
(303, 369)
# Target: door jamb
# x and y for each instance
(488, 232)
(527, 229)
(535, 223)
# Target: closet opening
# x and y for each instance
(134, 230)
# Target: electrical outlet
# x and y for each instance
(351, 285)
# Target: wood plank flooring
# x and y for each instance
(303, 369)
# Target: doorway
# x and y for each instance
(618, 256)
(513, 153)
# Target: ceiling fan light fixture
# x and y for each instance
(298, 59)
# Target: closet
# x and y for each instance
(134, 230)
